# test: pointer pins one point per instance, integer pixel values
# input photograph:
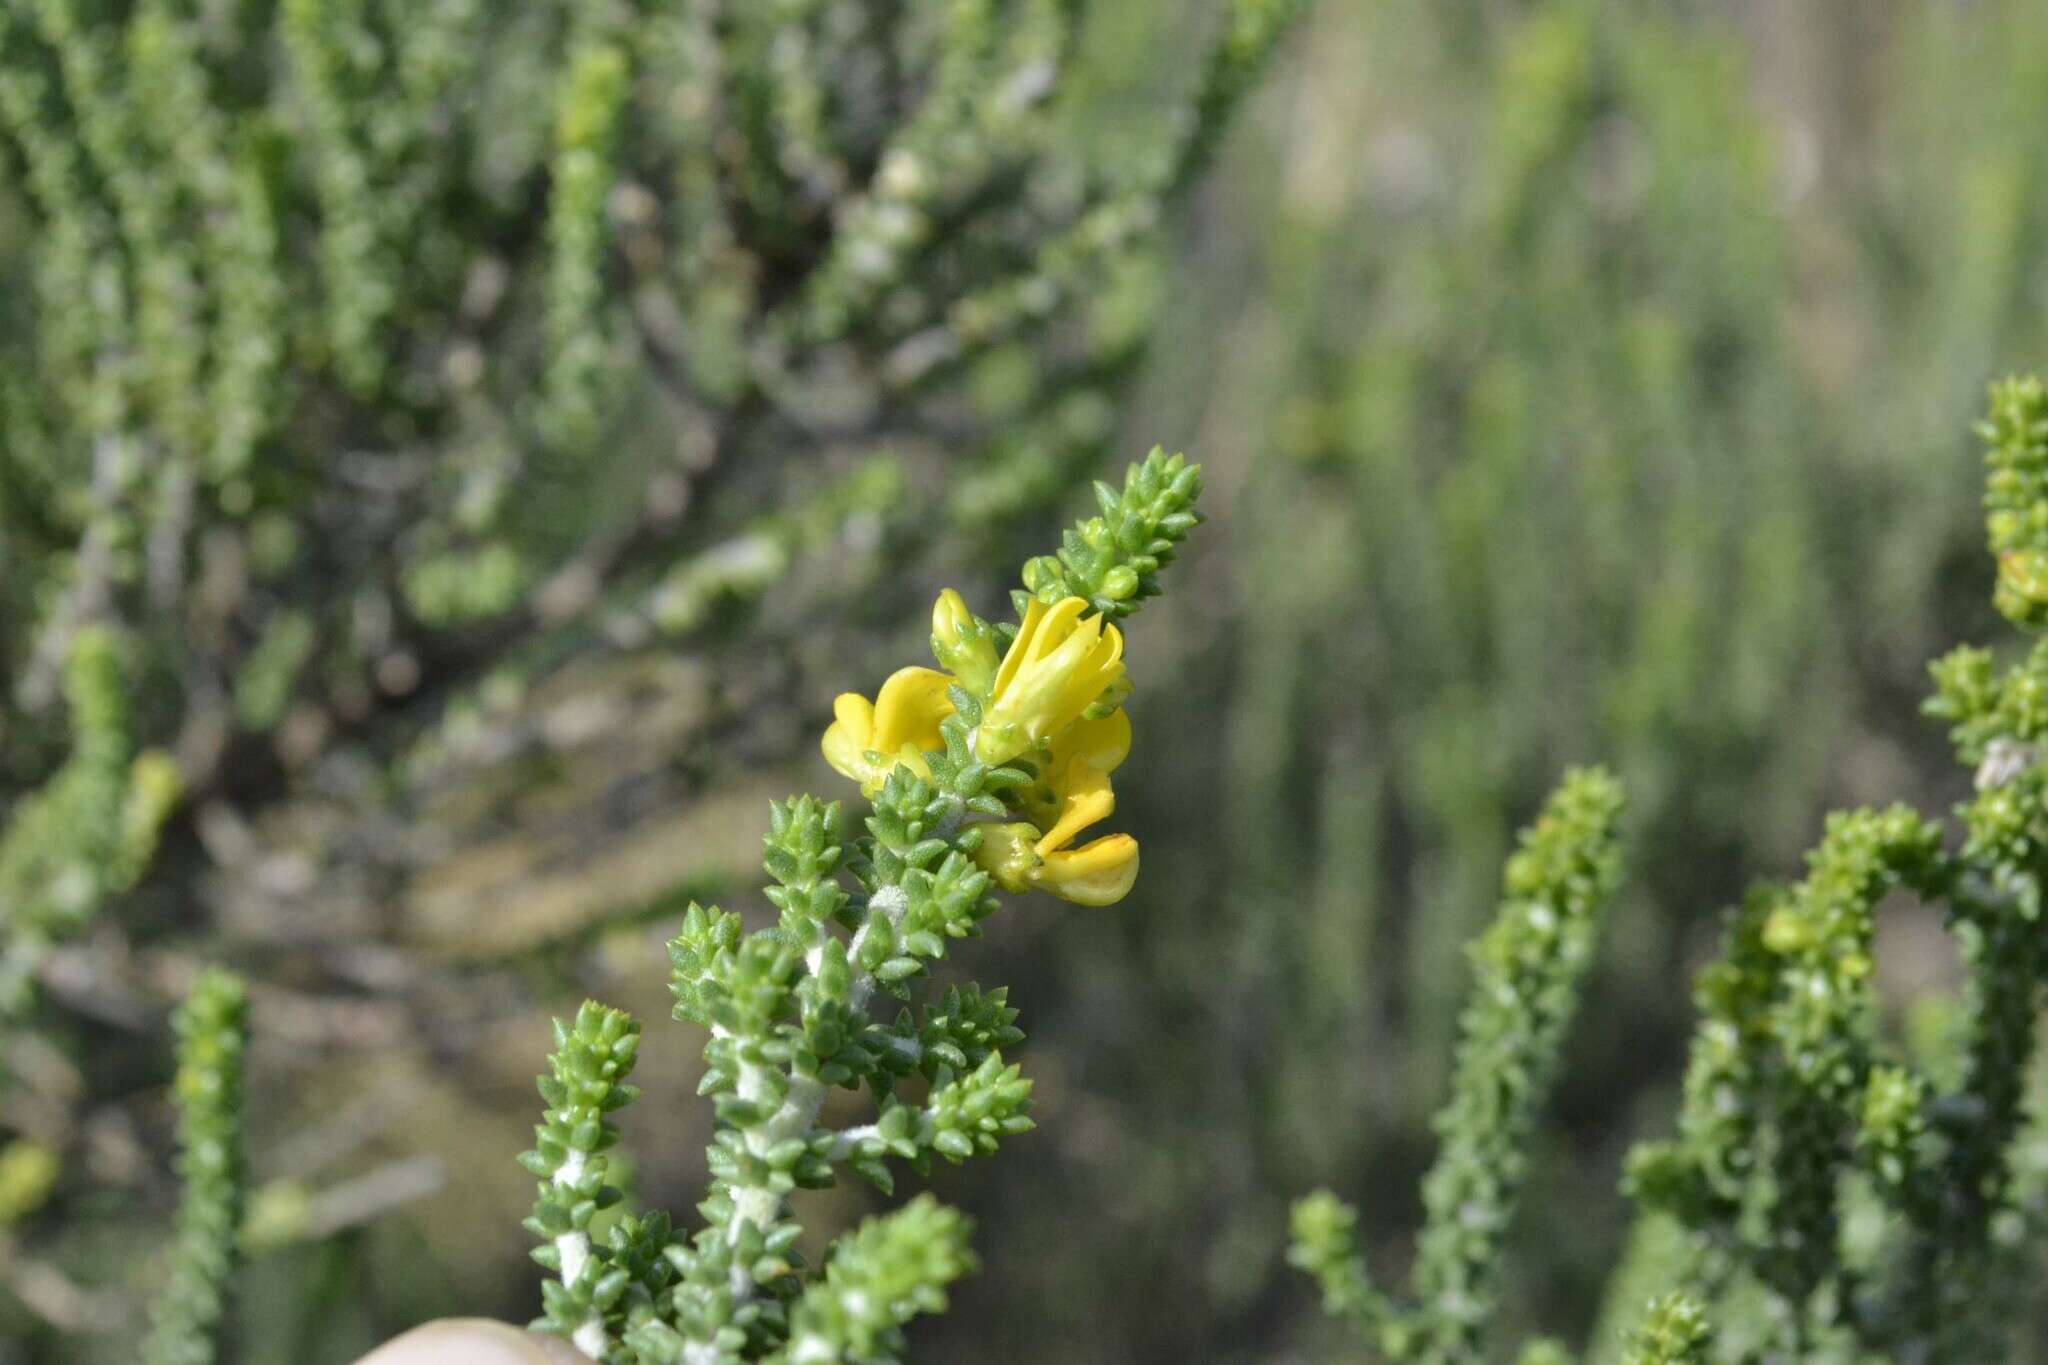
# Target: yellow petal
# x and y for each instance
(1060, 622)
(1098, 873)
(1101, 744)
(1020, 648)
(909, 709)
(855, 712)
(1085, 798)
(1060, 664)
(1115, 638)
(1066, 682)
(849, 736)
(1061, 640)
(950, 617)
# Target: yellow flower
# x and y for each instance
(1100, 872)
(1073, 794)
(866, 740)
(1072, 791)
(1057, 668)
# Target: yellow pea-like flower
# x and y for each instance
(1100, 872)
(867, 740)
(1074, 794)
(1073, 791)
(1059, 665)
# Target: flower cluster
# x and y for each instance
(1050, 707)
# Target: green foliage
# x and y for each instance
(1834, 1198)
(2016, 499)
(587, 128)
(879, 1276)
(1251, 30)
(1527, 974)
(89, 832)
(1527, 971)
(592, 1057)
(28, 1173)
(1577, 377)
(1325, 1245)
(1792, 1094)
(1113, 560)
(1518, 403)
(369, 369)
(213, 1035)
(1674, 1332)
(788, 1009)
(1582, 380)
(267, 236)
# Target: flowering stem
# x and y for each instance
(788, 1009)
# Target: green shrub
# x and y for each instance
(1830, 1196)
(383, 385)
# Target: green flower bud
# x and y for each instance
(963, 643)
(1009, 855)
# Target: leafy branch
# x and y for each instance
(980, 779)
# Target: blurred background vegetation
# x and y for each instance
(1574, 381)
